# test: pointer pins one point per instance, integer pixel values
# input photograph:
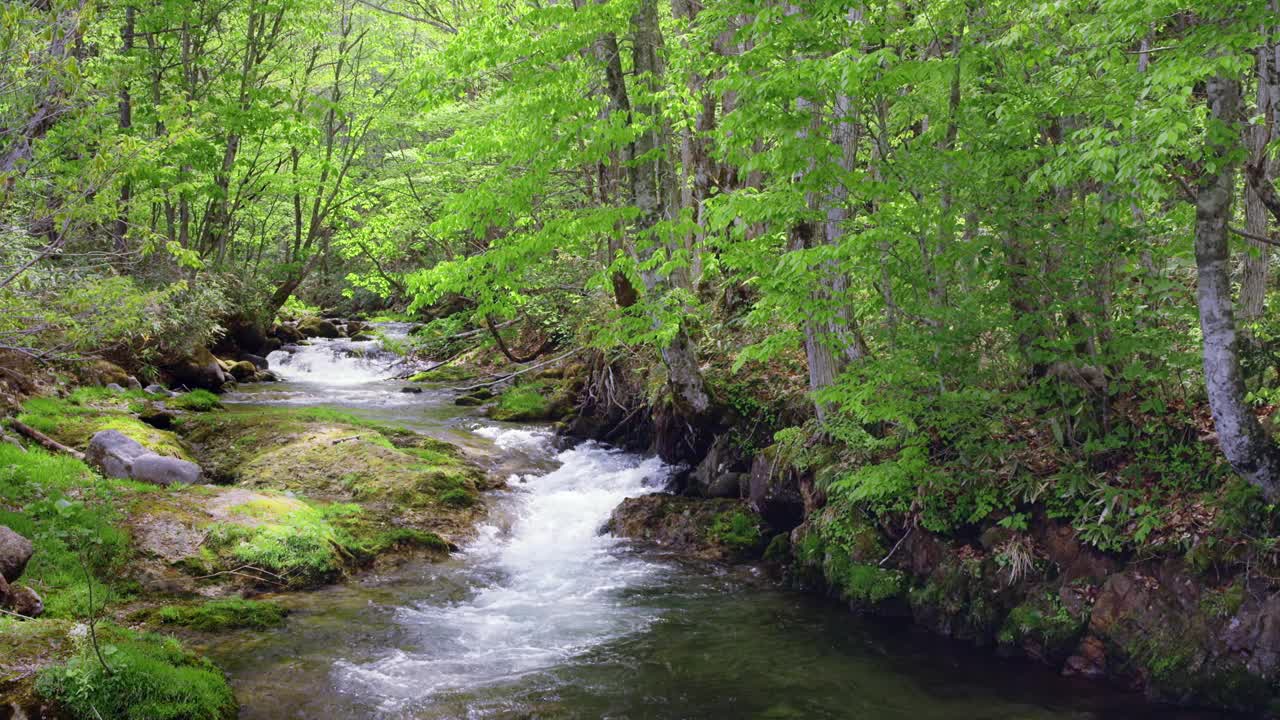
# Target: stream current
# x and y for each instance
(542, 616)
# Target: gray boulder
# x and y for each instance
(118, 455)
(113, 453)
(133, 383)
(164, 471)
(257, 360)
(155, 389)
(15, 551)
(115, 387)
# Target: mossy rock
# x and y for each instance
(533, 402)
(447, 373)
(1044, 628)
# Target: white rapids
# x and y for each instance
(552, 589)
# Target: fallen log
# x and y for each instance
(48, 442)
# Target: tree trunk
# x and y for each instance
(1244, 443)
(652, 183)
(1257, 262)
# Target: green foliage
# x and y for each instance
(147, 677)
(75, 420)
(736, 530)
(72, 517)
(1044, 623)
(218, 615)
(523, 403)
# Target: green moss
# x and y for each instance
(448, 373)
(150, 677)
(74, 424)
(332, 455)
(736, 530)
(216, 615)
(198, 401)
(523, 403)
(71, 515)
(779, 549)
(291, 539)
(871, 584)
(458, 498)
(1043, 625)
(1224, 603)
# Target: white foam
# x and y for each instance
(556, 588)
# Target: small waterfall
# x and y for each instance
(555, 582)
(340, 362)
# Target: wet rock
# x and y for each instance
(243, 370)
(118, 455)
(318, 327)
(468, 401)
(715, 476)
(158, 416)
(113, 453)
(355, 327)
(774, 491)
(155, 389)
(199, 370)
(696, 528)
(104, 372)
(24, 601)
(271, 344)
(265, 376)
(165, 471)
(287, 333)
(362, 337)
(1074, 560)
(15, 552)
(115, 387)
(411, 389)
(258, 361)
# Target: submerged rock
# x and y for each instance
(15, 553)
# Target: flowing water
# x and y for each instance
(541, 616)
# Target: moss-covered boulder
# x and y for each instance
(318, 327)
(716, 529)
(331, 455)
(540, 401)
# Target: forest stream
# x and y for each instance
(542, 616)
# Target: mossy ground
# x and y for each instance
(73, 517)
(74, 420)
(218, 615)
(448, 373)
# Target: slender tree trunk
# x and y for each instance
(1257, 262)
(120, 230)
(1241, 437)
(652, 184)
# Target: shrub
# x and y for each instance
(151, 677)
